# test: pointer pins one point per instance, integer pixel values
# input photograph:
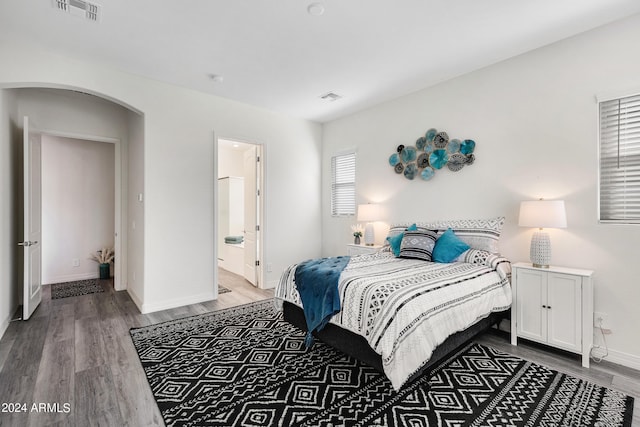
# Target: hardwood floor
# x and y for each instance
(78, 351)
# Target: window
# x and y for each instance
(343, 184)
(619, 186)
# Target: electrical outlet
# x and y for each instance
(75, 262)
(269, 267)
(601, 320)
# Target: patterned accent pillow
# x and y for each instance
(395, 240)
(495, 261)
(418, 244)
(474, 256)
(482, 234)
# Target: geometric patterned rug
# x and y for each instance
(246, 366)
(76, 288)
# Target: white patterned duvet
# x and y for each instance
(405, 308)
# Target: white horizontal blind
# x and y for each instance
(343, 184)
(619, 190)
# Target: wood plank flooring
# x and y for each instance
(78, 351)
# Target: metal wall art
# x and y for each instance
(432, 151)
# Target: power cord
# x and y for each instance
(604, 340)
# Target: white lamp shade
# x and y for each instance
(543, 214)
(370, 212)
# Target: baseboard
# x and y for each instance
(134, 297)
(70, 278)
(270, 284)
(619, 358)
(4, 326)
(178, 302)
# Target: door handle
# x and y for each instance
(27, 243)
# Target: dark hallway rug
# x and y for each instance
(76, 288)
(245, 366)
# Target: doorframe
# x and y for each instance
(120, 267)
(261, 208)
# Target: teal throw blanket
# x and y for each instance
(317, 284)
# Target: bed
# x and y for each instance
(400, 311)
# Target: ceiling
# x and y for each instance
(274, 54)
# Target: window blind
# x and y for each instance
(343, 184)
(619, 187)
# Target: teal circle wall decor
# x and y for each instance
(432, 152)
(438, 159)
(467, 146)
(408, 154)
(453, 146)
(430, 134)
(410, 171)
(427, 173)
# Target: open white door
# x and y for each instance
(251, 225)
(32, 188)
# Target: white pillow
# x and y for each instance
(482, 234)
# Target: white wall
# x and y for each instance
(77, 206)
(534, 119)
(230, 161)
(8, 208)
(178, 171)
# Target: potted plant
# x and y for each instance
(357, 233)
(104, 257)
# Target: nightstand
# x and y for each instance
(553, 306)
(353, 249)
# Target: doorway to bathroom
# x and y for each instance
(239, 213)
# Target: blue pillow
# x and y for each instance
(396, 241)
(448, 247)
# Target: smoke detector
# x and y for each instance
(80, 8)
(316, 9)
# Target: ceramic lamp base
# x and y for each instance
(540, 252)
(369, 237)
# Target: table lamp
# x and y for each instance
(542, 214)
(369, 213)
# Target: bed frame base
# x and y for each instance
(357, 346)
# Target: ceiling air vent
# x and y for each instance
(81, 8)
(330, 96)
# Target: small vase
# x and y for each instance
(356, 240)
(105, 272)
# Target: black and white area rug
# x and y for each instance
(74, 289)
(246, 366)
